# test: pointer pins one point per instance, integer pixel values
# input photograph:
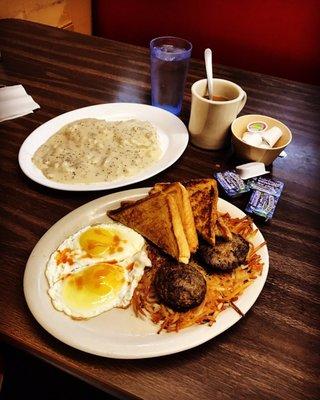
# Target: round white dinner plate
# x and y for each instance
(172, 135)
(118, 333)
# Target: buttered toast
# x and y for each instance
(203, 198)
(186, 214)
(203, 194)
(158, 219)
(221, 229)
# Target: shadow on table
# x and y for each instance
(28, 377)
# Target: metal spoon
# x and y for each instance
(208, 62)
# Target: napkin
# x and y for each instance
(15, 102)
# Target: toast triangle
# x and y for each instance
(203, 194)
(185, 210)
(157, 218)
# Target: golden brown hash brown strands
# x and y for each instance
(222, 289)
(256, 249)
(236, 308)
(242, 226)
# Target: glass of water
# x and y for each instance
(169, 65)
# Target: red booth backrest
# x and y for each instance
(277, 37)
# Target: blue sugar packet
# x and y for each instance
(231, 183)
(262, 204)
(265, 196)
(266, 185)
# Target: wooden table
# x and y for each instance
(272, 352)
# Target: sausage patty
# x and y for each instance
(180, 286)
(225, 255)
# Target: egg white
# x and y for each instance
(121, 299)
(134, 242)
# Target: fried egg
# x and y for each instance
(96, 269)
(92, 244)
(94, 289)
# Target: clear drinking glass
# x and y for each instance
(169, 65)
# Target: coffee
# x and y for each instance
(210, 120)
(216, 98)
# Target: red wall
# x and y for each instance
(277, 37)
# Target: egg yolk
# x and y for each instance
(93, 285)
(99, 242)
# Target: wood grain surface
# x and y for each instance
(272, 353)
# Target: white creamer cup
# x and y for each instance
(272, 135)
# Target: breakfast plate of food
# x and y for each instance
(147, 272)
(105, 146)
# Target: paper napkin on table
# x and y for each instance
(15, 102)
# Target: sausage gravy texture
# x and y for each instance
(93, 150)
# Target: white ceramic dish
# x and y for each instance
(119, 333)
(172, 134)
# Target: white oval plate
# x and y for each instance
(119, 333)
(172, 134)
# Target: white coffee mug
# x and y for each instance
(210, 120)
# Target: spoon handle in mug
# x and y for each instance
(208, 63)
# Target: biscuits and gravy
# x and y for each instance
(93, 150)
